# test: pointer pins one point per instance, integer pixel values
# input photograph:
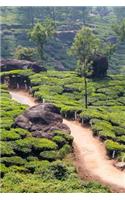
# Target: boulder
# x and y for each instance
(40, 119)
(99, 66)
(40, 134)
(13, 64)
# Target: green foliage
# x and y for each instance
(9, 135)
(59, 170)
(49, 155)
(120, 29)
(66, 149)
(40, 34)
(67, 136)
(111, 146)
(119, 131)
(28, 144)
(85, 45)
(59, 140)
(121, 157)
(14, 160)
(6, 149)
(3, 170)
(24, 53)
(18, 182)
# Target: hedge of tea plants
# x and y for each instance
(106, 104)
(30, 164)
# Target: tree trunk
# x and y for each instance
(86, 94)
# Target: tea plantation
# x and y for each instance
(106, 104)
(30, 164)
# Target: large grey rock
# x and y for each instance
(99, 66)
(40, 119)
(13, 64)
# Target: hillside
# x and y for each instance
(105, 116)
(17, 21)
(24, 170)
(62, 99)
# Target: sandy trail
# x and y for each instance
(89, 152)
(22, 97)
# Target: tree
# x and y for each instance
(40, 33)
(24, 53)
(84, 47)
(108, 49)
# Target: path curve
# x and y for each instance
(89, 152)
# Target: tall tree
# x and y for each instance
(84, 47)
(40, 33)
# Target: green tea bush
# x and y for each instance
(37, 166)
(66, 149)
(9, 135)
(121, 157)
(49, 155)
(59, 140)
(59, 170)
(3, 170)
(43, 144)
(16, 168)
(65, 135)
(33, 183)
(118, 130)
(13, 160)
(111, 146)
(6, 149)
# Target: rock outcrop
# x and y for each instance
(99, 66)
(41, 120)
(13, 64)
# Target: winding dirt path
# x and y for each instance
(90, 154)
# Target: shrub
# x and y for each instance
(9, 135)
(59, 140)
(111, 146)
(22, 132)
(66, 149)
(6, 149)
(32, 158)
(14, 160)
(49, 155)
(121, 139)
(59, 170)
(65, 135)
(18, 182)
(28, 144)
(118, 130)
(23, 145)
(3, 170)
(43, 144)
(6, 123)
(15, 168)
(37, 166)
(107, 134)
(121, 157)
(24, 53)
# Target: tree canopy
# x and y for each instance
(40, 33)
(84, 47)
